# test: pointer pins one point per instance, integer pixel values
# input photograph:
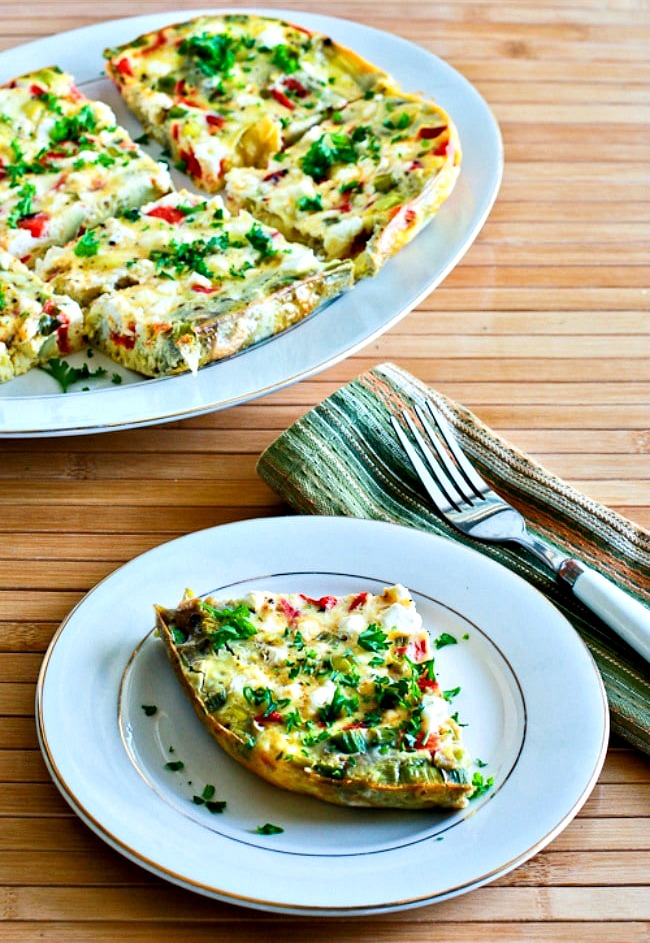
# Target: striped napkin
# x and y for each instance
(342, 458)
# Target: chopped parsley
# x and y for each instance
(445, 639)
(175, 766)
(450, 694)
(261, 241)
(309, 203)
(24, 205)
(213, 53)
(73, 128)
(88, 245)
(188, 256)
(337, 148)
(233, 624)
(338, 706)
(131, 215)
(269, 829)
(481, 785)
(206, 799)
(65, 375)
(264, 697)
(402, 122)
(285, 58)
(373, 639)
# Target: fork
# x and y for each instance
(468, 503)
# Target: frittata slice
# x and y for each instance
(231, 90)
(35, 323)
(64, 164)
(333, 697)
(182, 283)
(360, 184)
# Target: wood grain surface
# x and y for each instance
(542, 330)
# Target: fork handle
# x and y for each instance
(618, 609)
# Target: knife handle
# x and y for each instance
(628, 617)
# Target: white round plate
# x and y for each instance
(530, 695)
(34, 406)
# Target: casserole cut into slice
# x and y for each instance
(332, 697)
(36, 324)
(360, 184)
(64, 164)
(232, 90)
(183, 283)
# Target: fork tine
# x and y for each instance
(439, 499)
(445, 481)
(464, 494)
(479, 485)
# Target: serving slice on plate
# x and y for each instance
(181, 283)
(361, 183)
(231, 90)
(64, 164)
(36, 323)
(335, 697)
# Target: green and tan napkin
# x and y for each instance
(342, 458)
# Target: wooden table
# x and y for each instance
(542, 330)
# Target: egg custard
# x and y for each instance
(181, 283)
(64, 164)
(232, 90)
(334, 697)
(36, 324)
(361, 183)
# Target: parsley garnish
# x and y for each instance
(206, 799)
(233, 624)
(444, 639)
(306, 203)
(72, 128)
(50, 101)
(88, 245)
(269, 829)
(187, 256)
(450, 694)
(285, 58)
(214, 53)
(402, 122)
(24, 205)
(481, 785)
(337, 148)
(339, 705)
(373, 639)
(264, 697)
(3, 300)
(239, 273)
(65, 375)
(318, 159)
(149, 709)
(175, 765)
(261, 241)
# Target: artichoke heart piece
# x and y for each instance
(262, 675)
